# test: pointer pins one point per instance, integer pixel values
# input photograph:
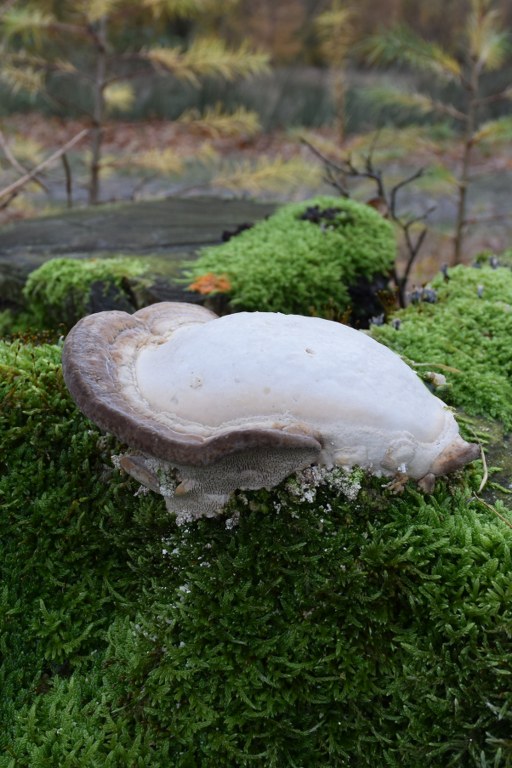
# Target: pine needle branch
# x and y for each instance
(207, 58)
(215, 123)
(402, 45)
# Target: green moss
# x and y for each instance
(469, 329)
(14, 322)
(59, 509)
(63, 290)
(290, 264)
(317, 632)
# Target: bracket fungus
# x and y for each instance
(243, 401)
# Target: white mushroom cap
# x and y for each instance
(263, 367)
(100, 367)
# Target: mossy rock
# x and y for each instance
(317, 628)
(328, 256)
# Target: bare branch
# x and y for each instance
(491, 217)
(413, 249)
(374, 142)
(69, 180)
(493, 509)
(417, 175)
(372, 173)
(12, 190)
(422, 217)
(504, 95)
(336, 175)
(336, 181)
(326, 160)
(52, 99)
(448, 109)
(17, 165)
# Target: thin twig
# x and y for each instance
(418, 174)
(501, 96)
(442, 366)
(335, 181)
(328, 162)
(493, 509)
(13, 188)
(16, 164)
(422, 217)
(69, 180)
(374, 142)
(413, 249)
(491, 217)
(448, 109)
(486, 471)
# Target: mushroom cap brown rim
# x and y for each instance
(90, 360)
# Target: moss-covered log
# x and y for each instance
(312, 625)
(164, 232)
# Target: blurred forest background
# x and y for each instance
(108, 100)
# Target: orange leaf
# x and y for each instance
(211, 283)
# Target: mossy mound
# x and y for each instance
(466, 334)
(314, 628)
(63, 290)
(317, 257)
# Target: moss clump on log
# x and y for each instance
(61, 291)
(305, 259)
(466, 333)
